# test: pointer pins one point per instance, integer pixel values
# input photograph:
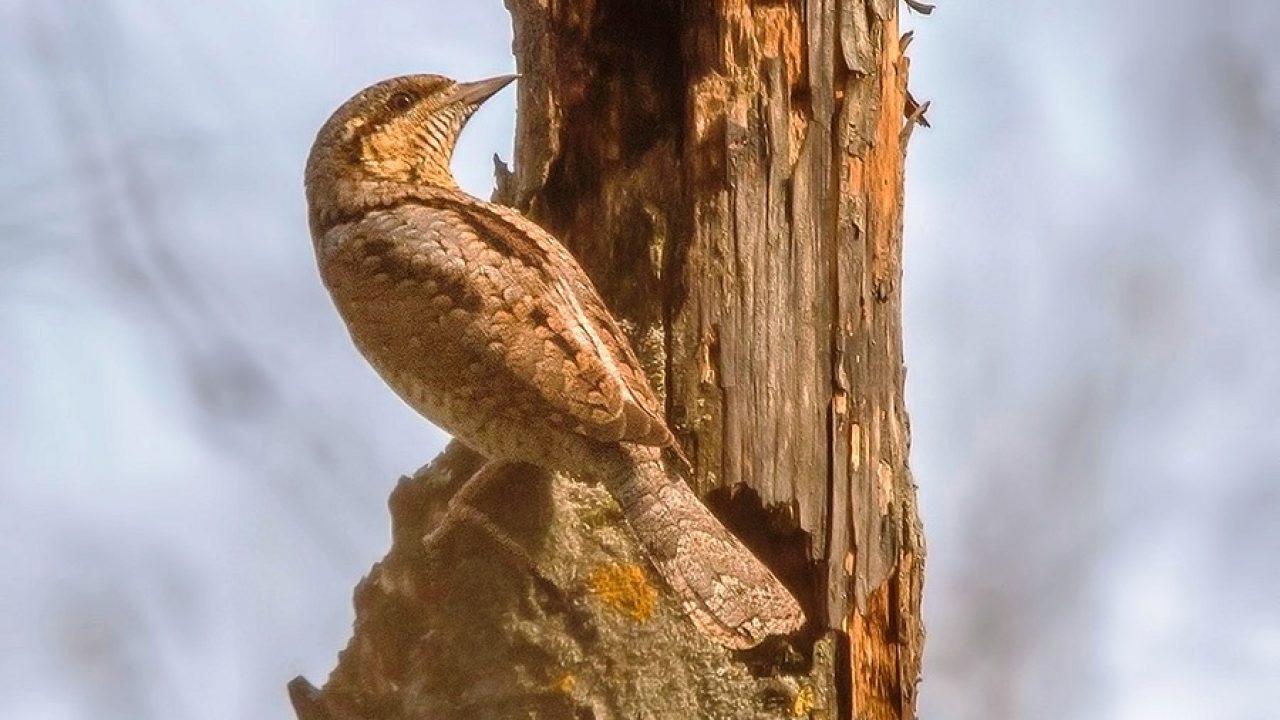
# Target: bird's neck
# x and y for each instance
(335, 203)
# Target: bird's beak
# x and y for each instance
(472, 94)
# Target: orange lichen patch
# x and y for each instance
(624, 588)
(565, 684)
(804, 702)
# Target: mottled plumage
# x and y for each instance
(486, 325)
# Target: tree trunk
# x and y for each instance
(730, 174)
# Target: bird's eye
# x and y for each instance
(401, 101)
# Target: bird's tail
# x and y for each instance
(727, 592)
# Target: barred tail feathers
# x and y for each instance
(727, 592)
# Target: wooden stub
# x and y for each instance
(731, 175)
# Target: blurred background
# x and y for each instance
(194, 462)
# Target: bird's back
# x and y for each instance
(485, 323)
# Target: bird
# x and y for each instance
(486, 325)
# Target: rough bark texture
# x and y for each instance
(730, 174)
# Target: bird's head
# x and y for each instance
(397, 132)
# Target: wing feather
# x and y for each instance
(552, 334)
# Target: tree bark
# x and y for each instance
(730, 175)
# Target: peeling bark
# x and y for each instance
(730, 174)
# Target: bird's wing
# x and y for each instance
(556, 337)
